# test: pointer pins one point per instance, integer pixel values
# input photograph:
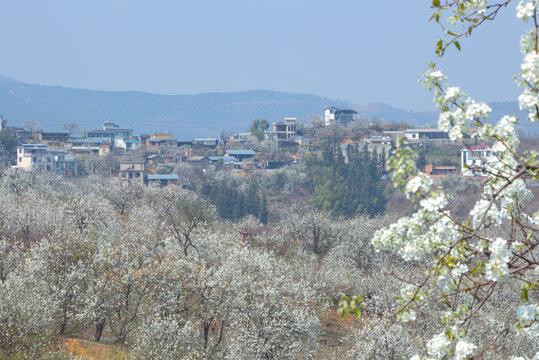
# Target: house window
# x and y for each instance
(20, 159)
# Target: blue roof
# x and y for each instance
(240, 152)
(132, 141)
(162, 176)
(224, 158)
(32, 146)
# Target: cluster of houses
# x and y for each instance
(472, 158)
(57, 152)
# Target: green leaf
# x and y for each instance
(524, 294)
(436, 3)
(457, 45)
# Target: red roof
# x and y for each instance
(445, 167)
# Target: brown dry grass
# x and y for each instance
(334, 331)
(86, 350)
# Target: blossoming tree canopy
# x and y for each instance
(469, 259)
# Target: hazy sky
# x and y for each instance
(357, 50)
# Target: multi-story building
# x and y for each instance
(29, 155)
(64, 163)
(116, 130)
(60, 136)
(90, 145)
(132, 170)
(474, 158)
(332, 115)
(110, 131)
(39, 156)
(283, 130)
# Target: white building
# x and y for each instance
(474, 158)
(41, 157)
(425, 134)
(333, 115)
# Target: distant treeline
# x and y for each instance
(351, 185)
(232, 203)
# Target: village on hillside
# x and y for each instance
(156, 157)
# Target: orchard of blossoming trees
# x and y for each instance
(156, 272)
(163, 273)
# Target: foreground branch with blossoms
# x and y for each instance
(469, 259)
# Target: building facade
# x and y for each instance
(440, 170)
(426, 134)
(474, 158)
(333, 115)
(39, 156)
(283, 130)
(132, 170)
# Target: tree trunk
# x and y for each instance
(63, 322)
(207, 325)
(99, 331)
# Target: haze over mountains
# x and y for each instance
(186, 116)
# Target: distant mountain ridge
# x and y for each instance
(430, 118)
(186, 116)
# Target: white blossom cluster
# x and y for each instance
(460, 115)
(468, 7)
(451, 244)
(525, 9)
(528, 320)
(496, 267)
